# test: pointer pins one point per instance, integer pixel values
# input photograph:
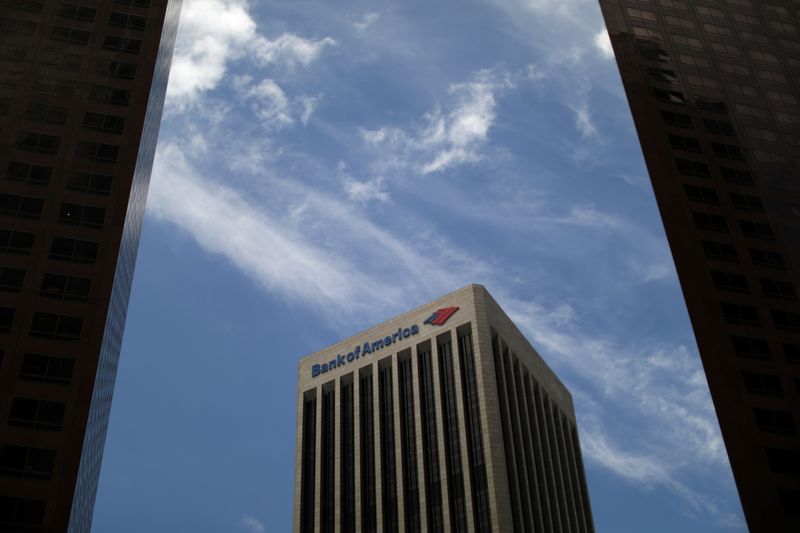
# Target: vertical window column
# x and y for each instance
(408, 442)
(508, 441)
(430, 450)
(530, 467)
(519, 452)
(367, 440)
(452, 446)
(347, 460)
(472, 420)
(538, 449)
(308, 461)
(328, 459)
(547, 456)
(388, 468)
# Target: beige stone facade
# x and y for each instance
(413, 426)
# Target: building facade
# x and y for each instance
(714, 87)
(82, 87)
(443, 419)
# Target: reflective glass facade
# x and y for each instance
(714, 87)
(81, 93)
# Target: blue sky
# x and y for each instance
(322, 168)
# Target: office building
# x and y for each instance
(713, 87)
(443, 419)
(82, 85)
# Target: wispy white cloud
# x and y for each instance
(213, 33)
(450, 136)
(366, 20)
(603, 44)
(366, 191)
(252, 524)
(290, 49)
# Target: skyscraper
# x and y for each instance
(443, 419)
(713, 87)
(82, 87)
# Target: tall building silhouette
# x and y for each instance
(713, 87)
(82, 86)
(443, 419)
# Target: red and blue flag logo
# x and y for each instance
(440, 316)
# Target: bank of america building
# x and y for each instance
(442, 419)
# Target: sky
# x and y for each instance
(323, 167)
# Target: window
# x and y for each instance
(33, 6)
(11, 279)
(9, 25)
(711, 105)
(756, 230)
(46, 113)
(767, 259)
(786, 461)
(5, 106)
(54, 86)
(34, 174)
(719, 127)
(642, 14)
(676, 119)
(122, 44)
(73, 250)
(688, 144)
(56, 327)
(720, 251)
(791, 352)
(747, 203)
(707, 221)
(70, 35)
(773, 288)
(65, 287)
(6, 319)
(776, 421)
(61, 60)
(81, 215)
(109, 95)
(15, 54)
(21, 514)
(124, 20)
(102, 122)
(670, 97)
(701, 194)
(729, 282)
(16, 242)
(37, 414)
(134, 3)
(24, 462)
(38, 142)
(693, 168)
(47, 369)
(82, 13)
(21, 206)
(728, 151)
(662, 75)
(750, 347)
(88, 182)
(790, 501)
(740, 314)
(106, 153)
(117, 69)
(786, 320)
(757, 383)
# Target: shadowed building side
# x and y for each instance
(82, 87)
(714, 92)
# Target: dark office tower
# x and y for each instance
(82, 86)
(714, 87)
(443, 419)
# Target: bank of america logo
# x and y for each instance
(440, 316)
